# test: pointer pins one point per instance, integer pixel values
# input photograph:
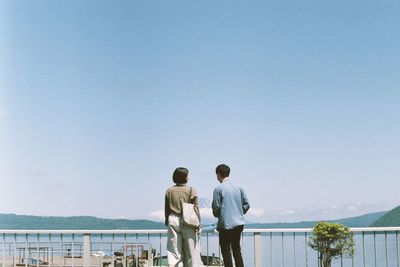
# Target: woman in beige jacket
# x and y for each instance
(182, 244)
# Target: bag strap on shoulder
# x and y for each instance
(190, 195)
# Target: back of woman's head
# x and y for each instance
(180, 175)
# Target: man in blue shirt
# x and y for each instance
(229, 206)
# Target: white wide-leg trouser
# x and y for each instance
(183, 244)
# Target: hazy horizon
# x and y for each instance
(207, 220)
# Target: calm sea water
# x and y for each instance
(288, 251)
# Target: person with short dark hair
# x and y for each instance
(182, 243)
(223, 170)
(229, 205)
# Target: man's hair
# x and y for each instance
(223, 170)
(180, 175)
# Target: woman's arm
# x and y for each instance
(167, 209)
(195, 202)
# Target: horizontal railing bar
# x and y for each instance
(164, 231)
(278, 230)
(82, 232)
(308, 230)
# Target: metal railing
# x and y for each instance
(375, 247)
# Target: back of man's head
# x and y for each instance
(223, 170)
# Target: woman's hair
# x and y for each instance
(223, 170)
(180, 175)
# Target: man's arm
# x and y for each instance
(216, 204)
(245, 202)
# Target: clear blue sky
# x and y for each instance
(99, 102)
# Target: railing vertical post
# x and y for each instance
(3, 255)
(386, 249)
(148, 241)
(73, 250)
(112, 250)
(257, 250)
(397, 248)
(294, 249)
(363, 247)
(270, 247)
(37, 250)
(125, 251)
(305, 247)
(375, 249)
(26, 254)
(50, 249)
(15, 251)
(160, 250)
(62, 249)
(86, 250)
(137, 249)
(283, 251)
(102, 253)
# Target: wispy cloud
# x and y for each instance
(156, 215)
(206, 213)
(256, 212)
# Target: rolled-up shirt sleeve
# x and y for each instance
(216, 204)
(245, 202)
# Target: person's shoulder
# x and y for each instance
(236, 186)
(168, 190)
(240, 187)
(171, 189)
(218, 188)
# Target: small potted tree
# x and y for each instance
(331, 240)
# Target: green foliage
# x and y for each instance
(391, 218)
(331, 240)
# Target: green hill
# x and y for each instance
(391, 218)
(13, 221)
(359, 221)
(24, 222)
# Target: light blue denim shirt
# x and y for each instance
(229, 205)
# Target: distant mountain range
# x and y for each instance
(13, 221)
(359, 221)
(391, 218)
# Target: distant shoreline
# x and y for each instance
(24, 222)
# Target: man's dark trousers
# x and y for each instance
(231, 239)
